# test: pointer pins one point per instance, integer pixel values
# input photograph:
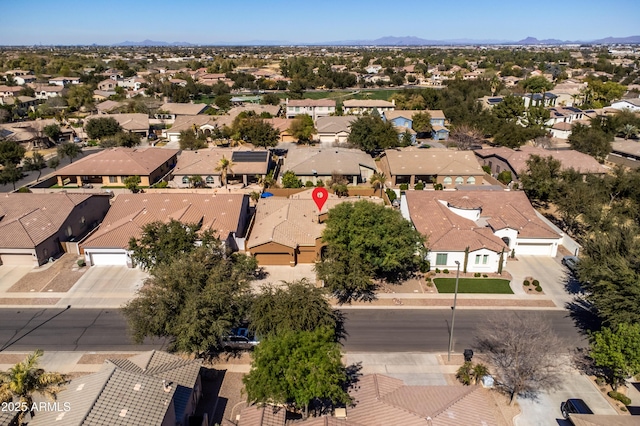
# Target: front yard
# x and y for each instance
(473, 285)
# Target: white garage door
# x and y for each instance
(16, 259)
(98, 259)
(534, 249)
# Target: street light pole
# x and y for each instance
(453, 311)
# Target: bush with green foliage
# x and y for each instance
(505, 177)
(445, 271)
(404, 186)
(24, 190)
(81, 263)
(161, 184)
(309, 184)
(419, 186)
(319, 183)
(526, 282)
(487, 169)
(536, 283)
(438, 186)
(290, 180)
(485, 276)
(620, 397)
(539, 289)
(391, 194)
(477, 275)
(437, 270)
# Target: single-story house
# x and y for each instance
(204, 124)
(431, 166)
(112, 166)
(312, 107)
(132, 123)
(24, 79)
(172, 110)
(248, 166)
(334, 129)
(226, 215)
(148, 389)
(367, 106)
(64, 81)
(491, 224)
(108, 106)
(313, 164)
(34, 226)
(625, 153)
(283, 126)
(384, 400)
(257, 109)
(632, 104)
(561, 130)
(30, 134)
(287, 231)
(6, 91)
(515, 161)
(103, 95)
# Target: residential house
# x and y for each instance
(24, 79)
(149, 389)
(257, 109)
(546, 99)
(33, 227)
(431, 166)
(30, 134)
(569, 92)
(108, 85)
(625, 153)
(313, 164)
(227, 215)
(334, 129)
(283, 126)
(564, 115)
(132, 122)
(382, 400)
(112, 166)
(6, 91)
(202, 124)
(489, 102)
(515, 161)
(172, 110)
(403, 119)
(312, 107)
(108, 107)
(366, 106)
(103, 95)
(64, 81)
(47, 92)
(248, 166)
(632, 104)
(21, 101)
(287, 231)
(132, 83)
(490, 225)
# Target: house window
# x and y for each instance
(447, 181)
(113, 179)
(471, 180)
(441, 259)
(185, 179)
(459, 180)
(297, 109)
(209, 179)
(478, 259)
(497, 169)
(485, 259)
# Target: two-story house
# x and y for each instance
(312, 107)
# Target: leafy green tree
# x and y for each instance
(52, 131)
(98, 128)
(225, 166)
(510, 109)
(590, 140)
(69, 149)
(536, 84)
(35, 163)
(370, 133)
(617, 352)
(290, 180)
(366, 241)
(294, 306)
(194, 298)
(505, 177)
(541, 178)
(255, 130)
(25, 379)
(302, 127)
(132, 183)
(188, 140)
(422, 122)
(296, 89)
(128, 139)
(537, 116)
(11, 152)
(298, 368)
(53, 163)
(223, 101)
(79, 96)
(270, 99)
(10, 174)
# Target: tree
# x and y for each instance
(255, 130)
(193, 298)
(510, 109)
(523, 352)
(98, 128)
(188, 140)
(10, 174)
(298, 368)
(294, 306)
(128, 139)
(536, 84)
(25, 379)
(590, 140)
(370, 133)
(52, 131)
(223, 101)
(422, 122)
(270, 99)
(11, 152)
(377, 180)
(69, 149)
(366, 241)
(79, 96)
(53, 163)
(225, 166)
(290, 180)
(196, 181)
(132, 183)
(541, 178)
(302, 127)
(617, 352)
(35, 163)
(628, 131)
(505, 177)
(466, 136)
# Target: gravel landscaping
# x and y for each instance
(57, 277)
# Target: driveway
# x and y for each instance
(544, 410)
(9, 275)
(275, 274)
(549, 271)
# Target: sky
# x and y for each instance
(72, 22)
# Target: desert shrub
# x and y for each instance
(419, 186)
(477, 275)
(437, 270)
(404, 186)
(538, 289)
(526, 282)
(24, 189)
(536, 283)
(308, 184)
(81, 263)
(437, 186)
(445, 271)
(319, 183)
(487, 169)
(619, 397)
(391, 194)
(485, 276)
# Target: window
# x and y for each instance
(471, 180)
(209, 179)
(459, 180)
(441, 259)
(497, 169)
(113, 179)
(447, 180)
(485, 259)
(478, 259)
(185, 179)
(297, 109)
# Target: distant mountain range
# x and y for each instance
(394, 41)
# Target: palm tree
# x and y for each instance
(25, 379)
(70, 150)
(628, 131)
(377, 180)
(224, 167)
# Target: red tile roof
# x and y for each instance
(120, 162)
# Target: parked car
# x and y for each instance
(239, 339)
(574, 406)
(570, 262)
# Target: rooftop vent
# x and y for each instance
(123, 412)
(137, 387)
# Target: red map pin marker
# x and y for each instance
(320, 196)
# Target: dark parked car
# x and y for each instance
(574, 406)
(570, 262)
(239, 339)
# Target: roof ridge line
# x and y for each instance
(468, 392)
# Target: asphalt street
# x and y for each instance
(369, 330)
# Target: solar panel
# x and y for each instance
(249, 156)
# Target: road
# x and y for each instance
(369, 330)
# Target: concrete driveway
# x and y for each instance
(9, 275)
(544, 410)
(549, 271)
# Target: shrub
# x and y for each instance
(391, 194)
(465, 373)
(516, 186)
(485, 276)
(437, 186)
(445, 271)
(24, 189)
(536, 283)
(505, 177)
(425, 266)
(477, 275)
(308, 184)
(161, 184)
(538, 289)
(526, 282)
(619, 397)
(319, 183)
(487, 169)
(404, 186)
(81, 263)
(437, 270)
(419, 186)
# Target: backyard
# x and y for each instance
(473, 285)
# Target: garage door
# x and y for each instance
(534, 249)
(98, 259)
(274, 259)
(21, 259)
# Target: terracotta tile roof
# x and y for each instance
(433, 162)
(257, 108)
(325, 161)
(517, 160)
(186, 122)
(405, 113)
(367, 103)
(27, 220)
(183, 109)
(131, 122)
(280, 124)
(130, 212)
(119, 162)
(335, 124)
(448, 231)
(311, 103)
(262, 416)
(203, 162)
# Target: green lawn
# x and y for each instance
(473, 285)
